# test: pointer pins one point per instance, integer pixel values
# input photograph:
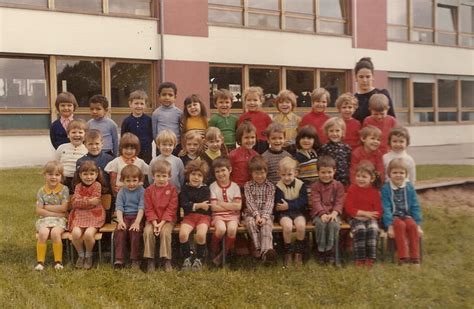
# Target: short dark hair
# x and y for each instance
(99, 99)
(168, 85)
(245, 127)
(308, 131)
(326, 161)
(131, 170)
(258, 163)
(66, 97)
(221, 162)
(399, 132)
(92, 134)
(129, 140)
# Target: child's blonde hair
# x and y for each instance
(129, 140)
(191, 136)
(397, 163)
(335, 121)
(370, 130)
(275, 127)
(138, 95)
(346, 97)
(319, 93)
(213, 133)
(53, 166)
(378, 102)
(161, 166)
(286, 95)
(287, 163)
(254, 90)
(131, 171)
(399, 132)
(77, 124)
(166, 136)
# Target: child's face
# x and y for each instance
(94, 146)
(347, 110)
(131, 183)
(66, 109)
(249, 139)
(364, 179)
(287, 175)
(259, 176)
(371, 142)
(76, 136)
(223, 106)
(378, 116)
(97, 110)
(137, 106)
(214, 144)
(222, 174)
(306, 143)
(285, 107)
(167, 96)
(335, 133)
(194, 109)
(398, 176)
(320, 106)
(129, 152)
(196, 179)
(398, 143)
(253, 102)
(166, 148)
(88, 177)
(326, 174)
(192, 146)
(52, 178)
(276, 140)
(161, 179)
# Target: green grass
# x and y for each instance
(445, 279)
(427, 172)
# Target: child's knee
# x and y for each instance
(201, 237)
(183, 236)
(231, 230)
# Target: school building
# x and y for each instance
(423, 51)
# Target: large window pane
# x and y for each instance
(24, 122)
(447, 38)
(467, 93)
(128, 77)
(227, 17)
(468, 116)
(331, 8)
(269, 80)
(423, 13)
(294, 23)
(447, 116)
(335, 83)
(301, 83)
(397, 12)
(226, 78)
(40, 3)
(264, 21)
(424, 117)
(397, 33)
(265, 4)
(446, 93)
(226, 2)
(300, 6)
(398, 91)
(423, 94)
(83, 78)
(93, 6)
(422, 36)
(132, 7)
(446, 18)
(332, 27)
(467, 18)
(23, 83)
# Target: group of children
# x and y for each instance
(225, 171)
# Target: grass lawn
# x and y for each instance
(445, 279)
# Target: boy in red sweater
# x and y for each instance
(370, 137)
(316, 118)
(346, 104)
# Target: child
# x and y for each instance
(194, 116)
(363, 206)
(66, 105)
(246, 137)
(192, 147)
(258, 213)
(398, 140)
(51, 207)
(285, 103)
(69, 153)
(161, 204)
(402, 212)
(378, 106)
(307, 144)
(226, 202)
(129, 148)
(166, 142)
(253, 98)
(130, 208)
(291, 198)
(370, 137)
(99, 106)
(346, 104)
(139, 124)
(87, 215)
(167, 116)
(215, 149)
(320, 98)
(195, 202)
(276, 137)
(223, 120)
(334, 129)
(327, 196)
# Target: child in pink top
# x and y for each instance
(370, 137)
(346, 104)
(317, 117)
(240, 157)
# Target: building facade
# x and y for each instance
(423, 51)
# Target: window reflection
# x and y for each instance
(269, 80)
(132, 7)
(226, 78)
(423, 94)
(93, 6)
(334, 83)
(301, 83)
(128, 77)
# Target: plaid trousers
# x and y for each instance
(261, 235)
(365, 238)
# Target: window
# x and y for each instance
(334, 83)
(397, 20)
(269, 80)
(226, 78)
(38, 3)
(264, 14)
(466, 25)
(423, 101)
(332, 16)
(131, 7)
(301, 82)
(126, 78)
(446, 24)
(467, 93)
(399, 93)
(422, 21)
(299, 15)
(447, 103)
(91, 6)
(226, 12)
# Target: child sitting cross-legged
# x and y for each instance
(194, 199)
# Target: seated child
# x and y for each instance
(291, 199)
(320, 98)
(226, 202)
(194, 116)
(215, 149)
(239, 158)
(370, 137)
(130, 207)
(87, 215)
(402, 212)
(307, 145)
(99, 106)
(224, 120)
(51, 207)
(398, 140)
(258, 213)
(161, 204)
(66, 105)
(276, 138)
(192, 147)
(363, 206)
(346, 104)
(285, 103)
(194, 199)
(327, 197)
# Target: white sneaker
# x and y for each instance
(58, 266)
(39, 267)
(187, 264)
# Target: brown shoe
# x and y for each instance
(269, 256)
(167, 266)
(135, 265)
(150, 267)
(88, 262)
(298, 259)
(288, 260)
(80, 262)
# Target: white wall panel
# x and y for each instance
(25, 150)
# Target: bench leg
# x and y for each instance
(337, 258)
(112, 249)
(223, 251)
(100, 252)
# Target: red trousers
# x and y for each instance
(124, 239)
(406, 238)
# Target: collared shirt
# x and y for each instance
(65, 121)
(291, 122)
(259, 199)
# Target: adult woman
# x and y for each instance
(364, 73)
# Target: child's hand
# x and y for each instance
(157, 228)
(95, 201)
(204, 205)
(391, 232)
(420, 231)
(332, 216)
(325, 218)
(122, 226)
(135, 227)
(282, 206)
(372, 214)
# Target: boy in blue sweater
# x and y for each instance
(99, 106)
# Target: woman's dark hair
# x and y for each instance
(364, 63)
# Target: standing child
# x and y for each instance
(316, 118)
(66, 105)
(363, 206)
(335, 128)
(285, 103)
(226, 202)
(327, 196)
(254, 98)
(99, 106)
(195, 202)
(258, 213)
(161, 204)
(378, 106)
(402, 212)
(291, 199)
(307, 144)
(51, 207)
(398, 140)
(194, 115)
(346, 104)
(166, 142)
(87, 215)
(130, 209)
(167, 116)
(223, 120)
(276, 137)
(68, 154)
(192, 147)
(370, 137)
(215, 149)
(139, 124)
(246, 137)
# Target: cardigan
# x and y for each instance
(58, 134)
(141, 127)
(190, 195)
(161, 203)
(411, 202)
